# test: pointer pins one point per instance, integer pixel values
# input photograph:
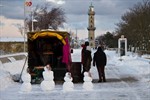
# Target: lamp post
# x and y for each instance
(24, 27)
(27, 8)
(33, 20)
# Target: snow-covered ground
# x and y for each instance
(128, 78)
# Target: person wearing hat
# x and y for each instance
(100, 60)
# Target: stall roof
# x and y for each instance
(61, 35)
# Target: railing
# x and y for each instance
(12, 57)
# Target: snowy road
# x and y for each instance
(123, 83)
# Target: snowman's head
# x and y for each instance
(86, 74)
(68, 75)
(47, 68)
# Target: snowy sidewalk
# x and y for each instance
(116, 88)
(125, 81)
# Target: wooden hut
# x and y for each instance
(46, 47)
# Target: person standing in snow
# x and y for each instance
(86, 57)
(100, 60)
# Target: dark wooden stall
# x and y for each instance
(46, 47)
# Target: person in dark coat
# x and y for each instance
(100, 60)
(82, 52)
(84, 56)
(87, 59)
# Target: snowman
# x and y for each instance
(87, 84)
(48, 83)
(68, 84)
(26, 85)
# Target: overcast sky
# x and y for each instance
(108, 13)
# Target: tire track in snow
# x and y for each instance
(124, 80)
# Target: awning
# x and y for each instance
(58, 34)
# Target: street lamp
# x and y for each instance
(33, 20)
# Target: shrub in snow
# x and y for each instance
(68, 84)
(47, 84)
(87, 84)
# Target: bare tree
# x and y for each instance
(135, 25)
(47, 18)
(20, 28)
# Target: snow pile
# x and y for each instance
(8, 70)
(131, 65)
(5, 79)
(14, 67)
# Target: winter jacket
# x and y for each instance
(87, 58)
(99, 58)
(82, 53)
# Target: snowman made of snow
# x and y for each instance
(26, 85)
(48, 83)
(68, 84)
(87, 84)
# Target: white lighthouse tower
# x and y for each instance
(91, 26)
